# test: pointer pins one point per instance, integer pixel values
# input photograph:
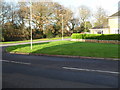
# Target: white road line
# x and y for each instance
(90, 70)
(15, 62)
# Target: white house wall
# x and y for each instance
(95, 31)
(113, 24)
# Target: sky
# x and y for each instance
(111, 6)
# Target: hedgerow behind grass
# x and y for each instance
(96, 36)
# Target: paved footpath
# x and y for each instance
(12, 44)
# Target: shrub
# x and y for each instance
(96, 36)
(49, 34)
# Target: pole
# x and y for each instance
(30, 22)
(62, 27)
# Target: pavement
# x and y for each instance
(12, 44)
(29, 71)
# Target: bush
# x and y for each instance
(49, 34)
(96, 36)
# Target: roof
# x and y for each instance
(99, 27)
(116, 14)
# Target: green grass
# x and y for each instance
(35, 40)
(69, 48)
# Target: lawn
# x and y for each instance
(35, 40)
(69, 48)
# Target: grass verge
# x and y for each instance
(69, 48)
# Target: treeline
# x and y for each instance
(46, 20)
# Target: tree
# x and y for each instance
(50, 31)
(59, 12)
(46, 18)
(13, 21)
(42, 15)
(4, 17)
(84, 14)
(101, 17)
(88, 25)
(83, 28)
(73, 23)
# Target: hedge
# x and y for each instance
(96, 36)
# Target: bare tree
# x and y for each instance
(101, 17)
(84, 13)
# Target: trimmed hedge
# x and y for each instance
(96, 36)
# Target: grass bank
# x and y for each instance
(69, 48)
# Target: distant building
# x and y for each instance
(99, 30)
(112, 28)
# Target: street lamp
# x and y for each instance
(30, 22)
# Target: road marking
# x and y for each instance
(90, 70)
(116, 59)
(15, 62)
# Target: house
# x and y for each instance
(112, 28)
(99, 30)
(114, 23)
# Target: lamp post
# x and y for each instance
(30, 22)
(62, 27)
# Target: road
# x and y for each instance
(24, 71)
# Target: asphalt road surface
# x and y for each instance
(24, 71)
